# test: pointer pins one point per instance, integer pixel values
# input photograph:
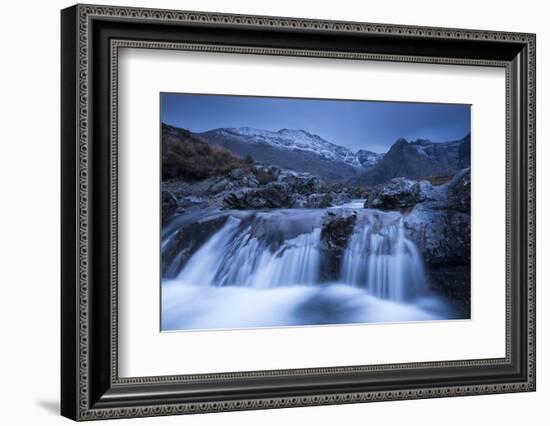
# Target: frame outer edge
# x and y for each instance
(83, 87)
(69, 221)
(83, 13)
(531, 200)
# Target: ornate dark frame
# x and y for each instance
(91, 37)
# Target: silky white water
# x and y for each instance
(235, 257)
(384, 262)
(263, 269)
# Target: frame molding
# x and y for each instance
(91, 37)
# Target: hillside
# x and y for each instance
(186, 156)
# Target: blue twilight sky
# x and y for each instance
(354, 124)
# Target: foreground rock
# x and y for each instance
(186, 241)
(169, 205)
(460, 193)
(276, 188)
(260, 187)
(399, 193)
(335, 233)
(274, 195)
(441, 228)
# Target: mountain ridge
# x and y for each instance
(310, 152)
(301, 151)
(417, 160)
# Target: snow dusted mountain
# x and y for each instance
(418, 160)
(308, 152)
(368, 158)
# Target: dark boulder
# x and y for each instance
(191, 201)
(237, 174)
(460, 193)
(441, 229)
(220, 185)
(399, 193)
(352, 191)
(340, 198)
(265, 175)
(268, 187)
(243, 178)
(273, 195)
(454, 281)
(169, 205)
(243, 199)
(310, 185)
(277, 195)
(335, 233)
(318, 201)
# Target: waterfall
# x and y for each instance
(235, 256)
(202, 267)
(280, 248)
(381, 259)
(263, 269)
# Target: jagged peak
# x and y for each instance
(299, 140)
(287, 130)
(367, 151)
(401, 142)
(421, 141)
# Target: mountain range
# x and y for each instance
(302, 151)
(308, 152)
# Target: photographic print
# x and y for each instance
(281, 212)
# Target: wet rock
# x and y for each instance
(262, 188)
(265, 175)
(454, 282)
(243, 199)
(187, 240)
(277, 195)
(220, 185)
(299, 201)
(307, 185)
(353, 192)
(237, 174)
(318, 201)
(441, 229)
(190, 201)
(250, 181)
(335, 233)
(169, 205)
(280, 189)
(460, 193)
(340, 198)
(271, 196)
(399, 193)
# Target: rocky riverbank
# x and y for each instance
(257, 188)
(435, 217)
(441, 228)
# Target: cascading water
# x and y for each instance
(381, 259)
(235, 257)
(262, 269)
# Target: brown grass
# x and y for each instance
(188, 157)
(438, 180)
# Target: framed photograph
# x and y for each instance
(263, 212)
